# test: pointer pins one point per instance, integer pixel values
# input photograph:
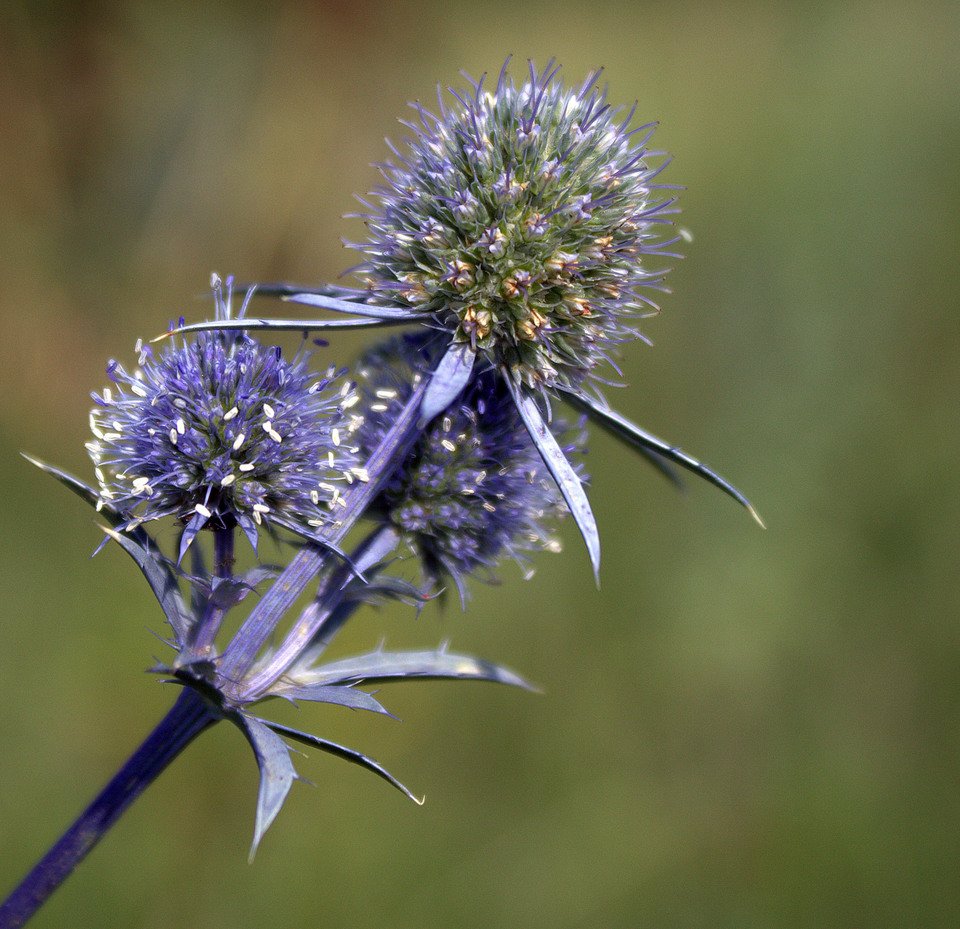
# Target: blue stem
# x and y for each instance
(188, 717)
(209, 626)
(259, 625)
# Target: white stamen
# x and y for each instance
(238, 441)
(350, 401)
(173, 436)
(202, 510)
(335, 435)
(228, 480)
(386, 394)
(138, 390)
(274, 435)
(181, 426)
(246, 467)
(448, 445)
(230, 414)
(378, 407)
(269, 411)
(260, 508)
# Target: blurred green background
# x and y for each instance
(740, 728)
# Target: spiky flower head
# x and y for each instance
(474, 487)
(222, 430)
(523, 218)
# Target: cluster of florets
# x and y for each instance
(224, 431)
(521, 218)
(474, 487)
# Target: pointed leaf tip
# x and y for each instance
(341, 751)
(561, 470)
(277, 773)
(383, 667)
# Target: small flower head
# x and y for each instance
(474, 486)
(222, 431)
(522, 219)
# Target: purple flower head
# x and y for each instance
(474, 487)
(523, 219)
(521, 222)
(221, 431)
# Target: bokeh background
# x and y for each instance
(740, 728)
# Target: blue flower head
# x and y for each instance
(474, 487)
(524, 219)
(221, 431)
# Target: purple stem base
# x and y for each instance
(188, 717)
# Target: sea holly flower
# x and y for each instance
(473, 487)
(221, 431)
(527, 223)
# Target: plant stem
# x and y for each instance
(377, 545)
(259, 625)
(209, 626)
(188, 717)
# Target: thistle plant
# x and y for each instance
(527, 223)
(520, 235)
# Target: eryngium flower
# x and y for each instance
(222, 431)
(523, 219)
(474, 487)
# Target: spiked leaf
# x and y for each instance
(280, 325)
(382, 667)
(561, 470)
(156, 569)
(662, 464)
(348, 754)
(623, 428)
(328, 693)
(82, 490)
(277, 773)
(325, 302)
(136, 543)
